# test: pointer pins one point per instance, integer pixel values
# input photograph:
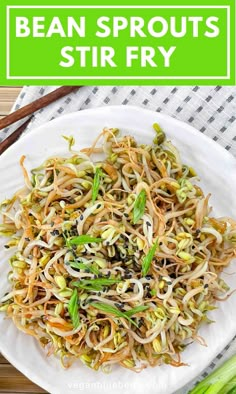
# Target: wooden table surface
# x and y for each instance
(11, 380)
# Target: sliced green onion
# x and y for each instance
(94, 287)
(96, 183)
(230, 387)
(135, 310)
(113, 310)
(82, 240)
(217, 380)
(148, 259)
(82, 266)
(94, 284)
(73, 309)
(139, 206)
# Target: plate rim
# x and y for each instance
(192, 129)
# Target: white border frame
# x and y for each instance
(8, 76)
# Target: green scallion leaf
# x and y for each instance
(139, 206)
(82, 266)
(73, 309)
(218, 379)
(148, 259)
(96, 183)
(94, 284)
(113, 310)
(94, 287)
(230, 387)
(82, 240)
(135, 310)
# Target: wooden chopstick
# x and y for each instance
(36, 105)
(14, 136)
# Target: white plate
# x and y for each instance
(217, 169)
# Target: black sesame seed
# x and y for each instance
(55, 232)
(148, 224)
(27, 239)
(81, 217)
(76, 269)
(99, 206)
(169, 283)
(198, 231)
(126, 215)
(6, 246)
(206, 286)
(99, 293)
(127, 276)
(119, 305)
(148, 277)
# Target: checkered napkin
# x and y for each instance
(210, 109)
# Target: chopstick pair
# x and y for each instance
(29, 110)
(13, 137)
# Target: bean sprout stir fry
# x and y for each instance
(114, 261)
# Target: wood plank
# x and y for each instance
(3, 360)
(9, 94)
(5, 107)
(19, 384)
(12, 380)
(7, 371)
(10, 87)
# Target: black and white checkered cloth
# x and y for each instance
(210, 109)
